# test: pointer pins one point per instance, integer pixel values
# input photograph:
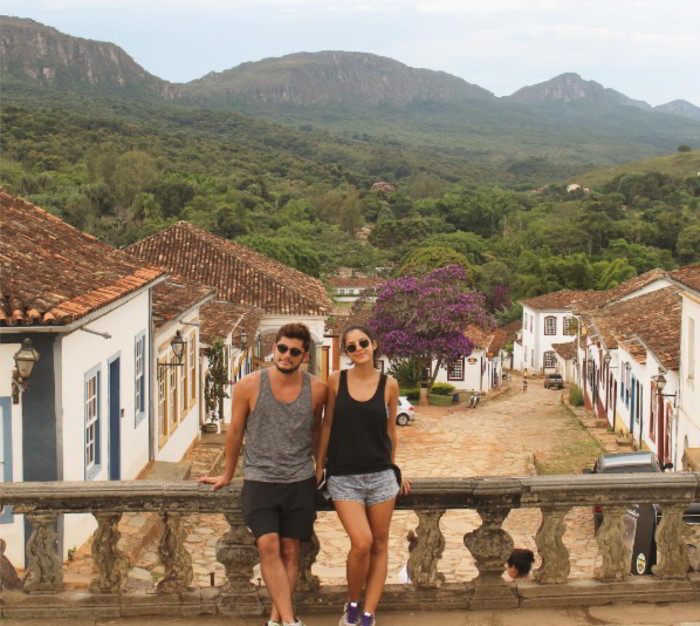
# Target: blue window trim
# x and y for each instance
(140, 411)
(92, 472)
(6, 412)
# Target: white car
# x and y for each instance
(405, 412)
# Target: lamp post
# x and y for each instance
(25, 360)
(177, 343)
(661, 385)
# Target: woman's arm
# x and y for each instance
(327, 423)
(392, 401)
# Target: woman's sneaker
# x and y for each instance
(350, 614)
(368, 620)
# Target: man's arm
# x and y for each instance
(319, 393)
(234, 434)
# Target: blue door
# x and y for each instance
(114, 421)
(633, 403)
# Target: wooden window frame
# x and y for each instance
(546, 322)
(549, 355)
(92, 466)
(450, 375)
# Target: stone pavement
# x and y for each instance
(672, 614)
(502, 436)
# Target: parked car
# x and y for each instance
(640, 520)
(553, 381)
(405, 412)
(624, 463)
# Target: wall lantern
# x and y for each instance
(660, 381)
(25, 359)
(628, 367)
(607, 358)
(177, 343)
(243, 338)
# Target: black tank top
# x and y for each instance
(359, 442)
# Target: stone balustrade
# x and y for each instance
(42, 592)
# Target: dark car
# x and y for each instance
(553, 381)
(624, 463)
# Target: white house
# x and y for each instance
(243, 277)
(86, 308)
(350, 289)
(688, 425)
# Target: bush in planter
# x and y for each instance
(442, 389)
(411, 393)
(575, 396)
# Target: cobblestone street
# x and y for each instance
(507, 435)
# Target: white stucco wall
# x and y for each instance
(654, 286)
(80, 352)
(536, 340)
(12, 532)
(688, 426)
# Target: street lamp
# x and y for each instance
(607, 358)
(25, 360)
(661, 385)
(243, 338)
(177, 343)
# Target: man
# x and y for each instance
(279, 410)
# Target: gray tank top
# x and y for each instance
(278, 442)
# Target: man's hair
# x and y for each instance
(522, 560)
(295, 331)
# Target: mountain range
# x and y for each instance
(360, 95)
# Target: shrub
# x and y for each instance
(442, 389)
(575, 396)
(411, 393)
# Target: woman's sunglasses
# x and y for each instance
(293, 351)
(363, 343)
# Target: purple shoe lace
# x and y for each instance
(367, 619)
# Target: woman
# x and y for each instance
(358, 448)
(519, 563)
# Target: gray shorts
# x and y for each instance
(367, 489)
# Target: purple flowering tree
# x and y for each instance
(425, 317)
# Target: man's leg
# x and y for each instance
(290, 553)
(275, 575)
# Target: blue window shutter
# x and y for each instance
(6, 425)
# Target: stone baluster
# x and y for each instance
(491, 546)
(44, 565)
(309, 552)
(237, 551)
(112, 565)
(174, 556)
(550, 545)
(616, 563)
(671, 543)
(423, 559)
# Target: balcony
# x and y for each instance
(41, 592)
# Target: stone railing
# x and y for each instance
(42, 591)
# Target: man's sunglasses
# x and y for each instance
(293, 351)
(350, 348)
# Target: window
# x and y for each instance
(531, 318)
(162, 424)
(652, 414)
(455, 370)
(570, 326)
(532, 358)
(5, 453)
(92, 423)
(550, 325)
(139, 378)
(193, 368)
(691, 348)
(550, 359)
(172, 393)
(525, 321)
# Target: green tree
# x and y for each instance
(688, 245)
(424, 260)
(134, 171)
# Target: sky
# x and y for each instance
(647, 49)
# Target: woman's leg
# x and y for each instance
(354, 519)
(379, 517)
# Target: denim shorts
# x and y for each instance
(367, 489)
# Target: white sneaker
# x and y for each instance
(351, 614)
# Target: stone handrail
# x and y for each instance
(492, 498)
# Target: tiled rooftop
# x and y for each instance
(479, 336)
(557, 300)
(652, 320)
(499, 339)
(176, 296)
(565, 350)
(240, 275)
(688, 276)
(217, 318)
(54, 274)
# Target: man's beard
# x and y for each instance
(287, 371)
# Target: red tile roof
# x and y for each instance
(650, 321)
(688, 276)
(557, 300)
(217, 318)
(498, 340)
(481, 337)
(565, 350)
(54, 274)
(240, 275)
(176, 296)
